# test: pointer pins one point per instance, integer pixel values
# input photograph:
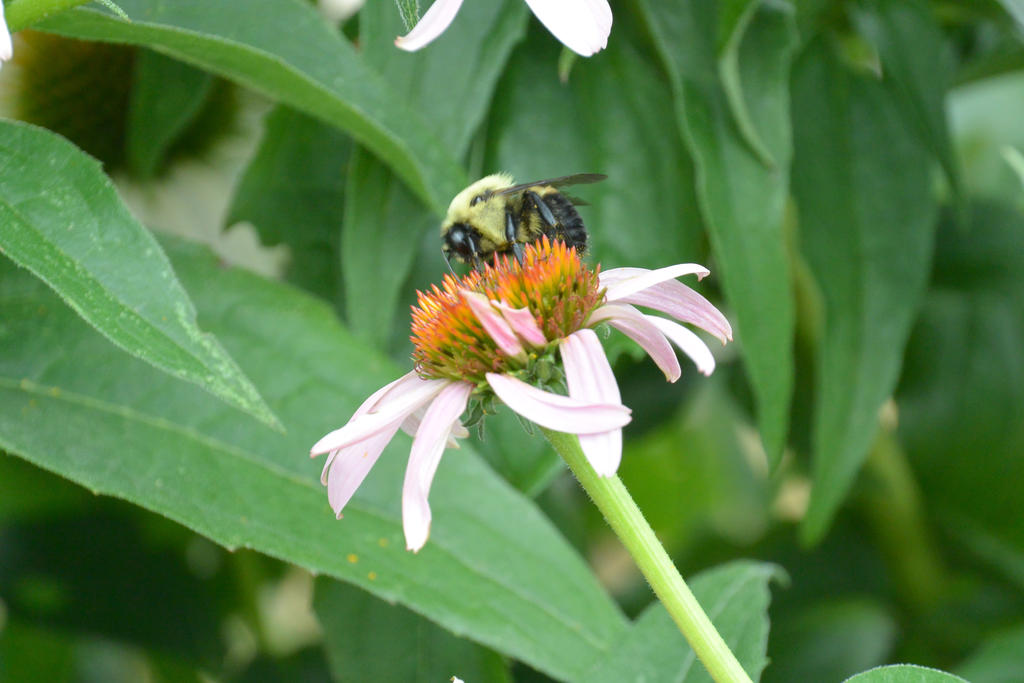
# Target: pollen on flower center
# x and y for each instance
(552, 283)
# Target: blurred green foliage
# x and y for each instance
(845, 485)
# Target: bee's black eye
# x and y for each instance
(477, 199)
(461, 241)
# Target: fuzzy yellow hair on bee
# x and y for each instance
(496, 216)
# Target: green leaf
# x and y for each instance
(741, 198)
(916, 61)
(1000, 659)
(368, 639)
(166, 97)
(735, 596)
(293, 193)
(867, 219)
(63, 221)
(494, 568)
(450, 85)
(904, 673)
(409, 11)
(960, 396)
(383, 223)
(1015, 8)
(733, 19)
(284, 49)
(450, 82)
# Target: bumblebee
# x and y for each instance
(496, 216)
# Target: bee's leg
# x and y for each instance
(449, 262)
(511, 230)
(543, 209)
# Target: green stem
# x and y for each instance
(24, 13)
(617, 506)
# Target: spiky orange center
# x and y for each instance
(552, 282)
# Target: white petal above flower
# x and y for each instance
(581, 25)
(430, 26)
(6, 48)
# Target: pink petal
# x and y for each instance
(327, 466)
(412, 423)
(6, 48)
(619, 286)
(589, 378)
(387, 413)
(427, 448)
(688, 342)
(494, 324)
(637, 327)
(674, 299)
(350, 465)
(366, 406)
(430, 26)
(581, 25)
(523, 322)
(562, 413)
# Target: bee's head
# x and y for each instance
(475, 224)
(461, 241)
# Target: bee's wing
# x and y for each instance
(576, 179)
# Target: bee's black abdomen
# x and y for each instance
(569, 226)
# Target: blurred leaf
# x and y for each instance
(118, 585)
(293, 193)
(32, 654)
(904, 673)
(368, 639)
(830, 640)
(494, 568)
(284, 49)
(741, 198)
(308, 665)
(450, 84)
(63, 220)
(916, 61)
(1015, 8)
(27, 491)
(733, 20)
(962, 391)
(1000, 659)
(166, 97)
(866, 222)
(409, 11)
(735, 596)
(644, 214)
(693, 472)
(382, 222)
(985, 121)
